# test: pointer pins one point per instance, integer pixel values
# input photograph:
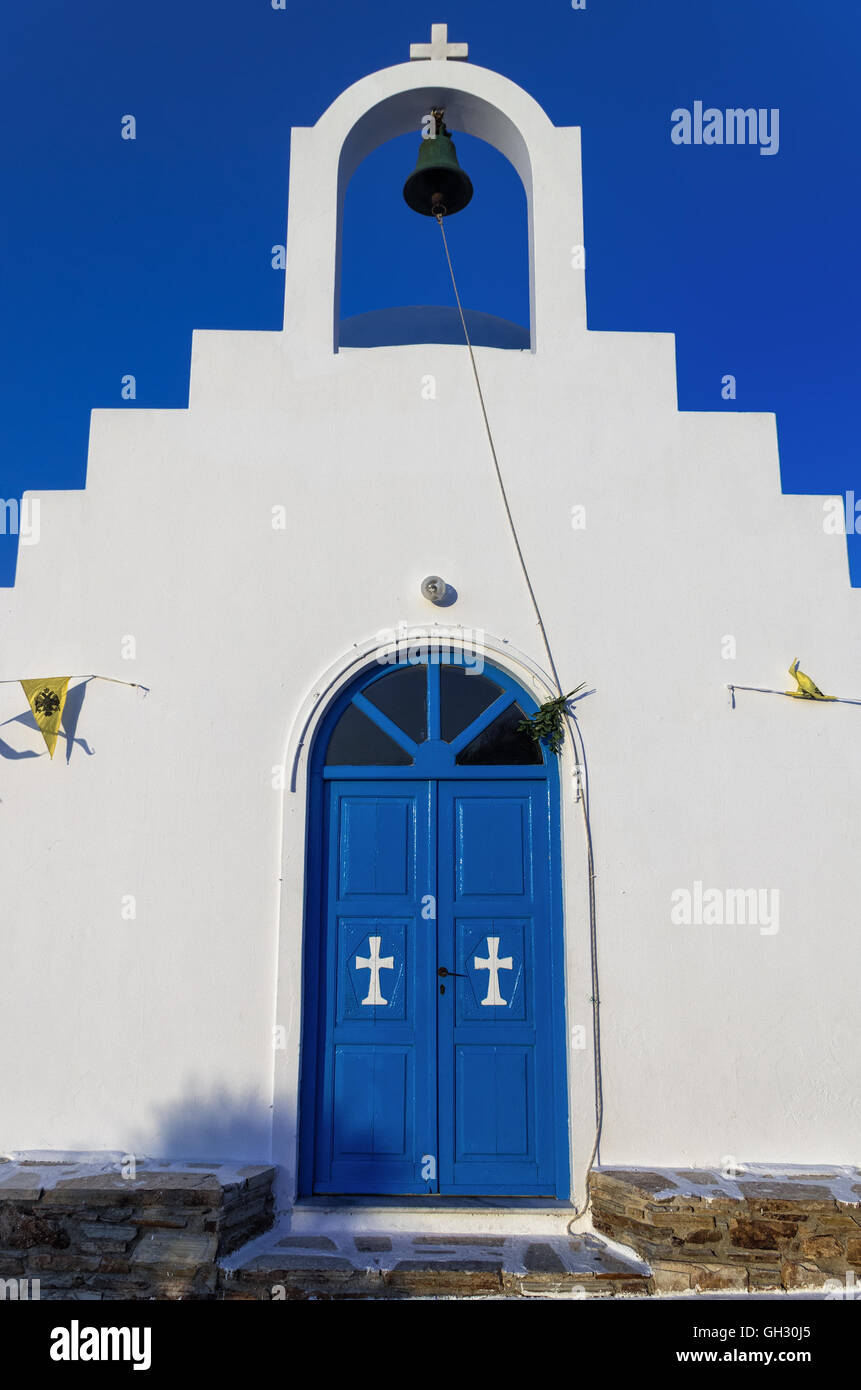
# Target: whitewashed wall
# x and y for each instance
(155, 1035)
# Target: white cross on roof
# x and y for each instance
(439, 46)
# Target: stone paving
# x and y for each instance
(403, 1265)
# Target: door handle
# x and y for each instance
(443, 972)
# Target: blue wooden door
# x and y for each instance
(497, 1097)
(377, 1099)
(433, 1055)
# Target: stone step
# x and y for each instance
(430, 1216)
(411, 1265)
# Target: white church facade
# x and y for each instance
(317, 899)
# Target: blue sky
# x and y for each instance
(113, 251)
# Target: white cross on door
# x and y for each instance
(493, 965)
(375, 963)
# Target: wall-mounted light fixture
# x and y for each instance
(434, 589)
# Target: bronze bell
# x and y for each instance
(438, 187)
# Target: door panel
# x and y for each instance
(492, 844)
(376, 1112)
(496, 1029)
(377, 845)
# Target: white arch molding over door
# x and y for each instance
(300, 739)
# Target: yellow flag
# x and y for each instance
(47, 698)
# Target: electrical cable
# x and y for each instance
(577, 743)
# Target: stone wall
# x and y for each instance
(87, 1232)
(83, 1231)
(763, 1229)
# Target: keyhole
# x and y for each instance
(442, 989)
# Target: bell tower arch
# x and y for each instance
(393, 102)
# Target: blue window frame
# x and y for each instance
(428, 719)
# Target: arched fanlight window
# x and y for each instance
(423, 707)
